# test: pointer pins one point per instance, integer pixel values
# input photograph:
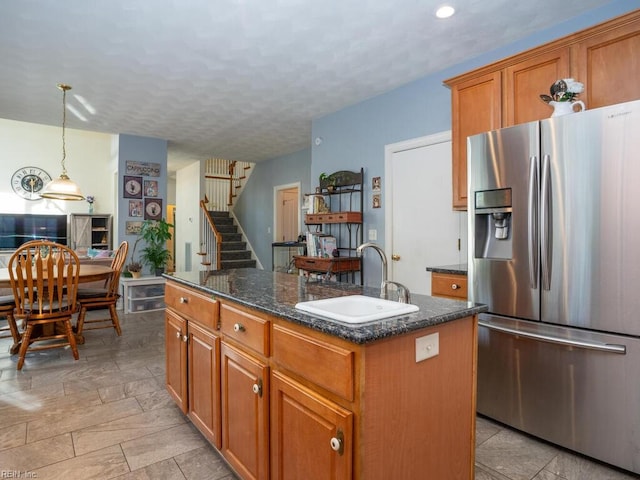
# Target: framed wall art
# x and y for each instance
(152, 209)
(135, 208)
(150, 188)
(132, 186)
(133, 228)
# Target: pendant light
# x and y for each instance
(62, 188)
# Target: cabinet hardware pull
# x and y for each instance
(238, 327)
(455, 286)
(184, 300)
(337, 442)
(178, 334)
(257, 388)
(185, 339)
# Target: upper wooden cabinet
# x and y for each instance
(605, 58)
(476, 109)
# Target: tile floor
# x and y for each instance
(108, 416)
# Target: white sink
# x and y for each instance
(356, 308)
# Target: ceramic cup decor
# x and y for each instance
(565, 108)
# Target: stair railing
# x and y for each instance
(211, 239)
(223, 180)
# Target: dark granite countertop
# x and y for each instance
(456, 269)
(277, 293)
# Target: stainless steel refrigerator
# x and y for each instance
(554, 251)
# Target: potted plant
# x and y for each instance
(134, 267)
(155, 233)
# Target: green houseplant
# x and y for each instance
(155, 253)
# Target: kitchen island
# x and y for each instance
(286, 395)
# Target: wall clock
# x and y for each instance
(27, 182)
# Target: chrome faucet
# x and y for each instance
(404, 295)
(383, 258)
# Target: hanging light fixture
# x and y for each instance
(62, 188)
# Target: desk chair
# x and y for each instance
(104, 298)
(44, 278)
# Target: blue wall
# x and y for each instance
(139, 149)
(254, 208)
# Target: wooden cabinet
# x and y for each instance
(311, 437)
(204, 382)
(476, 109)
(192, 358)
(505, 93)
(90, 231)
(336, 211)
(176, 358)
(608, 64)
(245, 413)
(299, 403)
(449, 285)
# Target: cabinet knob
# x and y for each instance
(337, 442)
(238, 327)
(184, 300)
(455, 286)
(178, 334)
(185, 338)
(257, 388)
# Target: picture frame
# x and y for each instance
(136, 208)
(132, 186)
(376, 184)
(150, 188)
(147, 169)
(377, 201)
(133, 227)
(152, 209)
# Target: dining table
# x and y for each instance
(88, 273)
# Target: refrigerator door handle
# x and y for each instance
(545, 224)
(532, 222)
(604, 347)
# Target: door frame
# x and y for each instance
(277, 210)
(389, 151)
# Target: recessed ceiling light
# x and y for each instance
(445, 11)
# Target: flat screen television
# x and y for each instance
(18, 228)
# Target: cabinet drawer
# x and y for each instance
(449, 285)
(145, 304)
(333, 217)
(326, 365)
(246, 328)
(195, 306)
(321, 264)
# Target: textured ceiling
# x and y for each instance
(236, 79)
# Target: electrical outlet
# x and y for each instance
(427, 347)
(373, 234)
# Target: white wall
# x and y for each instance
(88, 162)
(187, 224)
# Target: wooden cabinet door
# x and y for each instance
(245, 413)
(204, 382)
(176, 358)
(525, 81)
(311, 437)
(80, 232)
(476, 108)
(609, 66)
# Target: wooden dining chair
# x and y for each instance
(10, 330)
(44, 279)
(103, 298)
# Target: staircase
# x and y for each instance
(233, 251)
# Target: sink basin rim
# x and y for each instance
(370, 308)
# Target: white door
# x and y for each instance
(422, 228)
